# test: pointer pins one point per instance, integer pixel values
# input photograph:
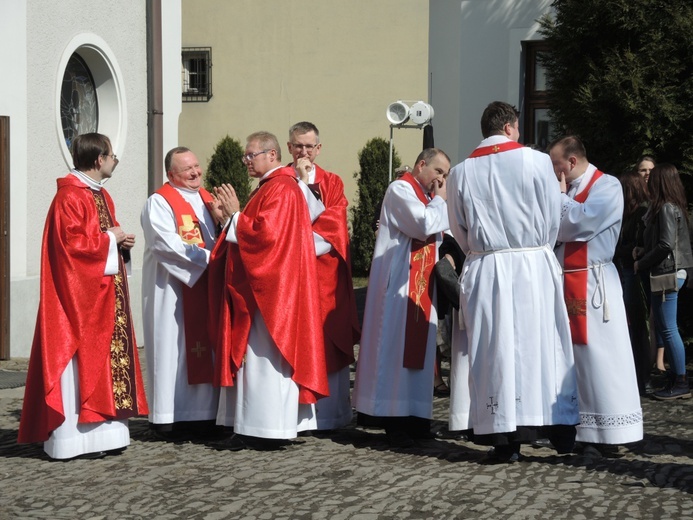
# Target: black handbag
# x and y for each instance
(446, 280)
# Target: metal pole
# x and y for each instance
(389, 171)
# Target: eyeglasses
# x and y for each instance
(111, 155)
(307, 147)
(250, 156)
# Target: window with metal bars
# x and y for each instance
(197, 73)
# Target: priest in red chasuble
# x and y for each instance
(84, 378)
(394, 374)
(337, 300)
(269, 341)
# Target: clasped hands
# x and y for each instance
(224, 204)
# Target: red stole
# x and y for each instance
(495, 148)
(198, 348)
(421, 262)
(575, 277)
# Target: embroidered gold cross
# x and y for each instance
(198, 349)
(496, 149)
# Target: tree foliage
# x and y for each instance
(226, 166)
(620, 75)
(372, 181)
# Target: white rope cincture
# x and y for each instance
(600, 289)
(544, 247)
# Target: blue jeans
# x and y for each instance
(664, 313)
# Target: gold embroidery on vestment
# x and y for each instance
(120, 347)
(576, 306)
(420, 282)
(190, 232)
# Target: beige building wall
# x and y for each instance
(337, 64)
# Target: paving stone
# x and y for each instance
(352, 475)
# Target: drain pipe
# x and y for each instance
(155, 113)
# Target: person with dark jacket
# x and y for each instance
(667, 250)
(635, 199)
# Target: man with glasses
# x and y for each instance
(180, 229)
(84, 379)
(269, 340)
(337, 301)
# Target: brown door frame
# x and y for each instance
(4, 237)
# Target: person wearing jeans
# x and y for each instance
(667, 249)
(664, 311)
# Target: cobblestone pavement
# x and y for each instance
(350, 475)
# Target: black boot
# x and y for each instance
(678, 390)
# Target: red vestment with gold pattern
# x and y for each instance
(82, 314)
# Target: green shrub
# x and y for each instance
(226, 166)
(372, 181)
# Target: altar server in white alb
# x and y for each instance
(179, 232)
(394, 375)
(592, 209)
(513, 376)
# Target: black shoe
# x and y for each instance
(501, 455)
(590, 451)
(323, 434)
(450, 435)
(233, 443)
(169, 436)
(679, 390)
(441, 390)
(89, 456)
(116, 452)
(542, 443)
(649, 389)
(399, 439)
(261, 444)
(422, 434)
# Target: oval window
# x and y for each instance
(79, 107)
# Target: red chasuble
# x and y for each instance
(81, 314)
(576, 276)
(271, 270)
(421, 262)
(337, 300)
(198, 349)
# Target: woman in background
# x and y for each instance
(644, 166)
(667, 249)
(635, 200)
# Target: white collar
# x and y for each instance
(586, 177)
(269, 172)
(494, 139)
(87, 180)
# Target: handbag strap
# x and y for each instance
(676, 240)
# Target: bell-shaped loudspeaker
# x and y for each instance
(397, 113)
